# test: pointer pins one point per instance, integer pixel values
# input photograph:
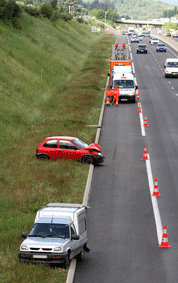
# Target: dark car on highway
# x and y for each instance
(161, 47)
(141, 48)
(62, 147)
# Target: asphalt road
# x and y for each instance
(121, 224)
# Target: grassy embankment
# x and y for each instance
(69, 96)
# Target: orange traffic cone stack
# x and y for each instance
(145, 122)
(156, 189)
(164, 242)
(139, 108)
(145, 157)
(138, 97)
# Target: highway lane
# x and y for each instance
(122, 232)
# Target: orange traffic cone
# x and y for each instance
(108, 32)
(139, 108)
(138, 97)
(164, 242)
(145, 122)
(156, 189)
(145, 157)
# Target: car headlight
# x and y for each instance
(58, 249)
(99, 153)
(24, 248)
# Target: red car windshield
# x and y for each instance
(80, 143)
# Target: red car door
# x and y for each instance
(51, 148)
(69, 151)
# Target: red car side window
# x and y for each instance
(51, 144)
(66, 145)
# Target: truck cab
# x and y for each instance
(58, 234)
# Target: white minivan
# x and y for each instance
(171, 67)
(58, 234)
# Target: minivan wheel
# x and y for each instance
(81, 255)
(87, 159)
(43, 157)
(67, 262)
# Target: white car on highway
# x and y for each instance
(154, 40)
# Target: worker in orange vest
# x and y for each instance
(108, 96)
(116, 94)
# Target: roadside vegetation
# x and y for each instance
(51, 83)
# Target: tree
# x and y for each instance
(54, 4)
(100, 14)
(112, 15)
(46, 10)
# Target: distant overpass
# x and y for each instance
(141, 23)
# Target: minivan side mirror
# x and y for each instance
(75, 237)
(24, 235)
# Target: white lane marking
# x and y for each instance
(156, 212)
(169, 82)
(133, 68)
(172, 87)
(176, 94)
(172, 52)
(129, 48)
(136, 80)
(130, 55)
(141, 123)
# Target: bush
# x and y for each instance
(80, 20)
(9, 11)
(33, 11)
(66, 17)
(55, 16)
(46, 10)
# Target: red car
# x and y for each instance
(69, 148)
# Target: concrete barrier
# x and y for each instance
(168, 40)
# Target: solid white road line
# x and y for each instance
(133, 68)
(156, 212)
(172, 52)
(141, 124)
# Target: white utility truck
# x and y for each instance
(58, 234)
(121, 73)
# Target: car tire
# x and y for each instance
(87, 159)
(146, 52)
(43, 157)
(137, 51)
(166, 76)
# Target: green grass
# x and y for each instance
(69, 96)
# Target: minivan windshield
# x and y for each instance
(49, 230)
(124, 83)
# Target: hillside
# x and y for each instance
(138, 9)
(51, 80)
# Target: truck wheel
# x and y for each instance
(87, 159)
(43, 157)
